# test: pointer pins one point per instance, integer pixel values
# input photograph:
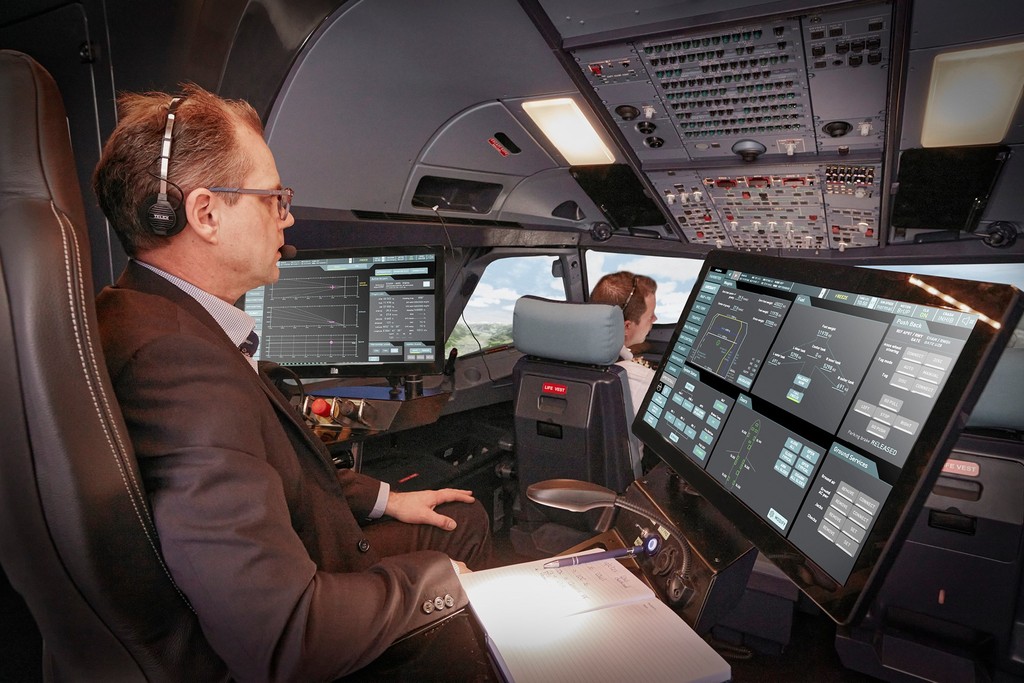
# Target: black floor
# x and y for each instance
(809, 656)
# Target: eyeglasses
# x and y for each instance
(630, 297)
(284, 197)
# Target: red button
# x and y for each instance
(320, 407)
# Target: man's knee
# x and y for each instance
(470, 542)
(471, 515)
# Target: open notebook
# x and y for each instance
(591, 623)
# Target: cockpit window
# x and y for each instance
(675, 277)
(1004, 273)
(486, 322)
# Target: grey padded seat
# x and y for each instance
(571, 405)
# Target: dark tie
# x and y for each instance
(249, 346)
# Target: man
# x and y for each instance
(634, 294)
(265, 537)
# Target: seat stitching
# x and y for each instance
(87, 356)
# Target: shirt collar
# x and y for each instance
(625, 353)
(236, 323)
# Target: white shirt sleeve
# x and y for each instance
(640, 379)
(382, 501)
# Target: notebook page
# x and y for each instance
(504, 592)
(636, 641)
(590, 622)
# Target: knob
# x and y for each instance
(837, 129)
(749, 150)
(627, 111)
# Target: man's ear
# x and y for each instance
(201, 214)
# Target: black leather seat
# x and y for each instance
(571, 405)
(76, 538)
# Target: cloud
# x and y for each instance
(490, 304)
(486, 296)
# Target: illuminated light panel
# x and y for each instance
(953, 302)
(564, 124)
(973, 96)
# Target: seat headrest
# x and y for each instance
(35, 144)
(574, 332)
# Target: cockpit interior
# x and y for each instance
(826, 192)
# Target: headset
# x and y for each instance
(162, 216)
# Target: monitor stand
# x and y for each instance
(411, 385)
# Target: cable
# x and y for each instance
(462, 315)
(181, 194)
(444, 226)
(684, 545)
(732, 651)
(280, 374)
(479, 346)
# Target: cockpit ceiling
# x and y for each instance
(740, 123)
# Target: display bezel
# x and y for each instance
(372, 369)
(844, 601)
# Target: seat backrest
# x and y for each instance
(76, 537)
(572, 403)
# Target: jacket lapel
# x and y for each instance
(285, 408)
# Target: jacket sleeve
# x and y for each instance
(203, 430)
(360, 491)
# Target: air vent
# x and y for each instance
(455, 194)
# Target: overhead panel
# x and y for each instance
(733, 85)
(766, 132)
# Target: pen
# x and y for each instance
(591, 557)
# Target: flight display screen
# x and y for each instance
(813, 404)
(365, 312)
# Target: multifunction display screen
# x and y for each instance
(804, 401)
(373, 313)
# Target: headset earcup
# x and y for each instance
(161, 216)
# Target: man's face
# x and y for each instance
(253, 230)
(637, 332)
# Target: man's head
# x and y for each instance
(634, 294)
(216, 145)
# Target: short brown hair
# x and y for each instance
(616, 288)
(205, 152)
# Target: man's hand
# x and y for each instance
(417, 507)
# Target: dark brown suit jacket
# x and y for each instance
(258, 528)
